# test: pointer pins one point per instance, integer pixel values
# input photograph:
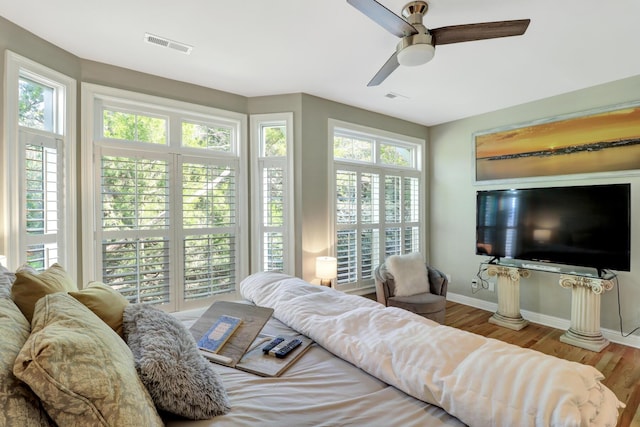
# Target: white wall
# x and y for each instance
(453, 206)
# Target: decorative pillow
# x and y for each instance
(5, 287)
(82, 371)
(30, 286)
(409, 273)
(107, 303)
(6, 280)
(18, 405)
(179, 379)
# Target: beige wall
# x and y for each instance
(121, 78)
(453, 205)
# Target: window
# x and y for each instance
(132, 126)
(167, 181)
(272, 187)
(377, 185)
(39, 166)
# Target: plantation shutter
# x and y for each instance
(209, 223)
(135, 227)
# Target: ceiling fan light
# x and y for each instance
(416, 54)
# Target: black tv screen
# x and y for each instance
(587, 226)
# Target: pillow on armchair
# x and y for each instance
(409, 273)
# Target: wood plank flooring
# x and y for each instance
(619, 364)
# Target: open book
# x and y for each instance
(253, 319)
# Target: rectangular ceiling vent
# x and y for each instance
(393, 95)
(164, 42)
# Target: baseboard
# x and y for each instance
(368, 291)
(543, 319)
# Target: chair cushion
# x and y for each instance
(423, 303)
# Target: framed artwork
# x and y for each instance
(603, 141)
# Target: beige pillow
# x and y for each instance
(18, 405)
(6, 281)
(82, 371)
(107, 303)
(30, 286)
(409, 273)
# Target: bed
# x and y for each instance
(319, 389)
(375, 365)
(81, 357)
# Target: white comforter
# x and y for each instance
(481, 381)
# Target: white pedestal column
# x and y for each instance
(508, 285)
(585, 311)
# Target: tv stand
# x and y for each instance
(508, 285)
(585, 311)
(585, 302)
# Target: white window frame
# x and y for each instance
(416, 170)
(93, 95)
(15, 240)
(258, 121)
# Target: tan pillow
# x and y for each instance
(82, 371)
(18, 405)
(107, 303)
(30, 286)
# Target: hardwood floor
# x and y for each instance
(618, 363)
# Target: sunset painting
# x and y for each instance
(605, 141)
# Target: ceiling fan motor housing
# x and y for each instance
(415, 49)
(414, 11)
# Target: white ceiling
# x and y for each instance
(329, 49)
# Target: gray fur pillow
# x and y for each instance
(179, 379)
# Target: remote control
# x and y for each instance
(274, 342)
(282, 352)
(216, 357)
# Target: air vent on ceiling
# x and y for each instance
(164, 42)
(393, 95)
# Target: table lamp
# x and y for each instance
(326, 269)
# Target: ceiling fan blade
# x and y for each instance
(384, 17)
(384, 72)
(481, 31)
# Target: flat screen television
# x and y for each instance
(586, 226)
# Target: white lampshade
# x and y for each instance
(3, 260)
(416, 54)
(326, 268)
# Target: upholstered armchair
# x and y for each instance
(430, 304)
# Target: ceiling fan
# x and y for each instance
(417, 44)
